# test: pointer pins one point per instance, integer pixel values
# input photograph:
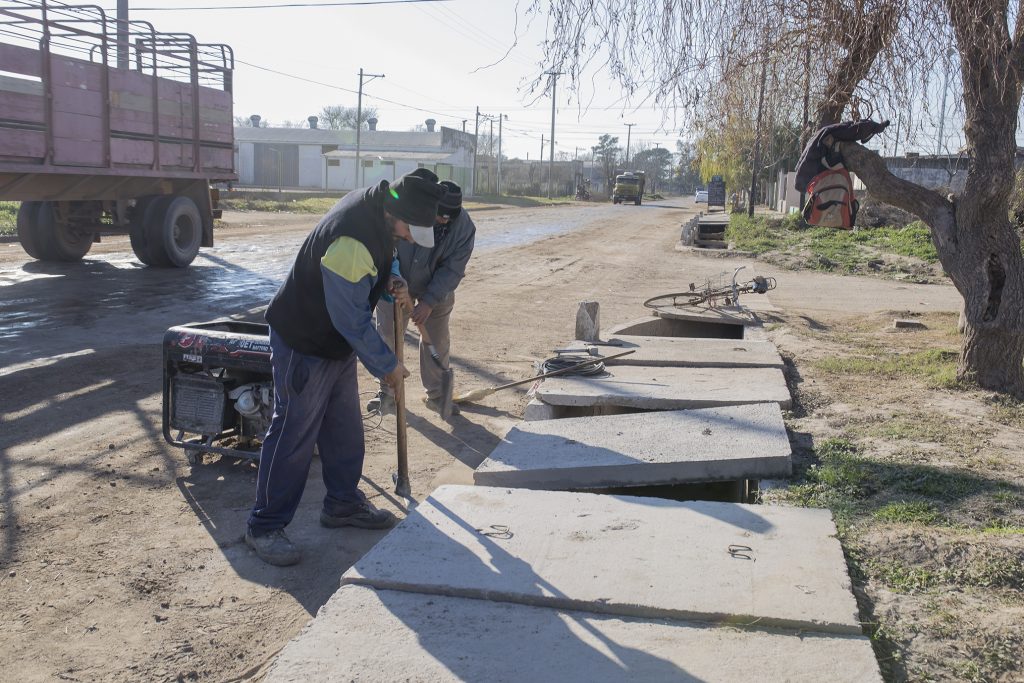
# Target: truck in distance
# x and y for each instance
(629, 187)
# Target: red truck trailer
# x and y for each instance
(111, 127)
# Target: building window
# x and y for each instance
(333, 162)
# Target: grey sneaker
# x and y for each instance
(273, 548)
(381, 404)
(435, 405)
(362, 515)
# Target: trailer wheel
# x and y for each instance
(57, 240)
(27, 213)
(175, 233)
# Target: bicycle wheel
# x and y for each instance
(677, 299)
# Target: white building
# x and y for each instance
(320, 159)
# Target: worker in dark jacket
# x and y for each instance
(432, 275)
(320, 322)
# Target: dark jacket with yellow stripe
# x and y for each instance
(299, 311)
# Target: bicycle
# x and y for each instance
(710, 294)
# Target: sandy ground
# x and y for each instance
(120, 562)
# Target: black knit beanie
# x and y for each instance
(413, 197)
(451, 203)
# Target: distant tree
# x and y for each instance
(655, 162)
(337, 117)
(606, 153)
(246, 122)
(686, 176)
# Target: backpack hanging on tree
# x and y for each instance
(821, 173)
(830, 200)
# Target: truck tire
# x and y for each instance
(174, 232)
(27, 235)
(141, 215)
(58, 241)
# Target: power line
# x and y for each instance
(338, 87)
(352, 3)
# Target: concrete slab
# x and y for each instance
(642, 449)
(668, 388)
(623, 555)
(688, 352)
(374, 636)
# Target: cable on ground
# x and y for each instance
(565, 360)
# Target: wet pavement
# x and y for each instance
(110, 299)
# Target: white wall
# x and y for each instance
(787, 198)
(340, 177)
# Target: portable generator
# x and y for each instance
(218, 388)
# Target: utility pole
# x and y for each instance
(541, 157)
(551, 159)
(464, 125)
(476, 137)
(757, 136)
(629, 134)
(501, 117)
(359, 123)
(123, 60)
(490, 151)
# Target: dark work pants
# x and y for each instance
(316, 401)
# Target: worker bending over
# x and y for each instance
(432, 274)
(320, 322)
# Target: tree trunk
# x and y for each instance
(987, 269)
(984, 261)
(989, 358)
(974, 238)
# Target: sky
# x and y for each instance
(440, 60)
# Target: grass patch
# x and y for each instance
(913, 512)
(830, 250)
(961, 566)
(482, 201)
(841, 469)
(904, 579)
(917, 427)
(999, 526)
(9, 217)
(858, 488)
(309, 205)
(937, 367)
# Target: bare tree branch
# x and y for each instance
(928, 205)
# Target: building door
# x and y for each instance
(275, 165)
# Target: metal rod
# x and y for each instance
(402, 486)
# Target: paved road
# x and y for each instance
(110, 298)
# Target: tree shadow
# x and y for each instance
(603, 657)
(92, 386)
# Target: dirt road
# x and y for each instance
(119, 562)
